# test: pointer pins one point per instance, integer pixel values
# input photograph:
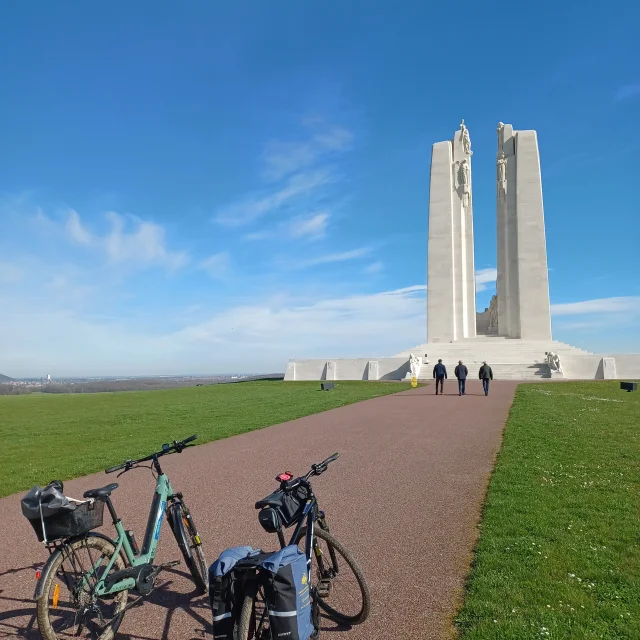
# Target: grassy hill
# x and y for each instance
(5, 378)
(65, 436)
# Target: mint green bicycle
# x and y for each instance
(84, 588)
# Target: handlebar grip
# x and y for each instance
(116, 468)
(332, 458)
(190, 438)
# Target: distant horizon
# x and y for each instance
(167, 375)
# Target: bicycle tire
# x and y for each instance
(186, 535)
(336, 546)
(245, 627)
(50, 572)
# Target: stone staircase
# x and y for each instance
(510, 359)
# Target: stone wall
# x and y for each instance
(575, 367)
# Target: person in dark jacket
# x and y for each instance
(461, 373)
(440, 373)
(485, 375)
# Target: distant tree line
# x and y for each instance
(139, 384)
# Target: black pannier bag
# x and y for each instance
(284, 577)
(54, 516)
(226, 589)
(271, 518)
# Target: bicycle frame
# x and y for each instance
(310, 515)
(163, 494)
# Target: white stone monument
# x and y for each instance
(516, 327)
(451, 302)
(523, 280)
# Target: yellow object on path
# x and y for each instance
(414, 382)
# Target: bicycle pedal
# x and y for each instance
(324, 588)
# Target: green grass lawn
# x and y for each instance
(43, 437)
(559, 548)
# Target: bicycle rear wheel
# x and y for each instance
(186, 534)
(67, 607)
(341, 589)
(253, 623)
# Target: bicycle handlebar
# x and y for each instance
(316, 470)
(176, 447)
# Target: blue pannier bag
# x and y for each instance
(286, 586)
(225, 592)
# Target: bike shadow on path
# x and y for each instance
(18, 615)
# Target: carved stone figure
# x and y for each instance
(499, 132)
(502, 168)
(553, 360)
(466, 140)
(463, 174)
(502, 175)
(493, 313)
(415, 363)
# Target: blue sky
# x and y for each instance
(218, 187)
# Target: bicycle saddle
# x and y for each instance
(100, 493)
(274, 500)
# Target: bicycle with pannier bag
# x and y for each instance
(335, 581)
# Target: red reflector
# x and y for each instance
(37, 575)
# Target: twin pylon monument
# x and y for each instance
(514, 333)
(521, 308)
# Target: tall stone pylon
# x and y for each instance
(451, 293)
(522, 283)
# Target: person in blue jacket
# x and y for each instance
(461, 373)
(440, 373)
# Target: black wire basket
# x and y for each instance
(70, 524)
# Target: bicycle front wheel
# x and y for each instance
(67, 606)
(341, 589)
(184, 529)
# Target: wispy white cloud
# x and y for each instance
(258, 235)
(627, 304)
(347, 326)
(329, 258)
(140, 243)
(301, 167)
(282, 158)
(627, 92)
(75, 230)
(313, 226)
(252, 208)
(143, 245)
(260, 336)
(217, 265)
(305, 227)
(67, 288)
(485, 277)
(374, 267)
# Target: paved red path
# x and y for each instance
(404, 497)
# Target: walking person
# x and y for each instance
(440, 373)
(485, 374)
(461, 373)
